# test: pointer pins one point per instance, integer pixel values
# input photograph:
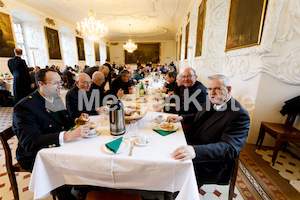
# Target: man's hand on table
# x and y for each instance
(102, 109)
(184, 153)
(174, 119)
(78, 132)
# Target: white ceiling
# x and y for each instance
(149, 19)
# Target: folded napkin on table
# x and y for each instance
(114, 145)
(163, 133)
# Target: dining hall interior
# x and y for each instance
(255, 44)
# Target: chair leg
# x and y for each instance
(233, 180)
(276, 148)
(14, 185)
(261, 137)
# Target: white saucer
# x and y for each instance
(97, 133)
(142, 145)
(124, 146)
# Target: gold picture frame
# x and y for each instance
(97, 51)
(187, 33)
(80, 48)
(53, 43)
(200, 28)
(245, 23)
(7, 43)
(144, 52)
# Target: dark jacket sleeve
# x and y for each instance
(232, 141)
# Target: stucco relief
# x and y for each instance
(69, 48)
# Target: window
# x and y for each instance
(20, 39)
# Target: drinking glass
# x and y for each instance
(133, 128)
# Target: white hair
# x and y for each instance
(224, 78)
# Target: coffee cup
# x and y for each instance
(142, 139)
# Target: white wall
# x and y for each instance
(263, 76)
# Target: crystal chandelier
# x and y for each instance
(130, 46)
(92, 28)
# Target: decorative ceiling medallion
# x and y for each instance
(50, 21)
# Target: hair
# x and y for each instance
(18, 51)
(124, 73)
(224, 78)
(41, 74)
(103, 66)
(171, 74)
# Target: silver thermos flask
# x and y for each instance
(116, 118)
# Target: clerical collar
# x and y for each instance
(52, 99)
(218, 107)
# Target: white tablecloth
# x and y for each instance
(84, 162)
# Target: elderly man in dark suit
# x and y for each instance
(22, 82)
(217, 134)
(41, 121)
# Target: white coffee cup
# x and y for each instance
(142, 139)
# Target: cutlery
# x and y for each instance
(133, 144)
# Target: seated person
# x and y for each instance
(70, 75)
(137, 74)
(98, 79)
(121, 82)
(40, 121)
(217, 134)
(83, 82)
(170, 83)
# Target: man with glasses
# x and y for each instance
(217, 134)
(38, 123)
(194, 93)
(73, 96)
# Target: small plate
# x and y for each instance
(92, 135)
(124, 146)
(175, 127)
(149, 141)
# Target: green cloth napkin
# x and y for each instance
(163, 133)
(114, 145)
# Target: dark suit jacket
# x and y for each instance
(217, 140)
(119, 84)
(72, 104)
(22, 80)
(70, 76)
(37, 127)
(101, 90)
(201, 98)
(91, 70)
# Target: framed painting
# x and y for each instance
(176, 52)
(180, 42)
(80, 48)
(245, 24)
(107, 54)
(144, 52)
(97, 51)
(200, 28)
(187, 32)
(53, 43)
(7, 44)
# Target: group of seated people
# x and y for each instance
(215, 124)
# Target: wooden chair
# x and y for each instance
(66, 80)
(282, 133)
(11, 169)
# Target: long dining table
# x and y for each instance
(86, 161)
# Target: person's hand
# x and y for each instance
(102, 109)
(32, 85)
(78, 132)
(120, 93)
(84, 116)
(174, 119)
(184, 153)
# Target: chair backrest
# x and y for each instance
(290, 119)
(4, 136)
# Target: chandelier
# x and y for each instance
(130, 46)
(92, 28)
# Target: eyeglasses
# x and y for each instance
(188, 76)
(87, 82)
(216, 89)
(55, 83)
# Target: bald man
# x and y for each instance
(83, 83)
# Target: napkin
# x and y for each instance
(114, 145)
(163, 133)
